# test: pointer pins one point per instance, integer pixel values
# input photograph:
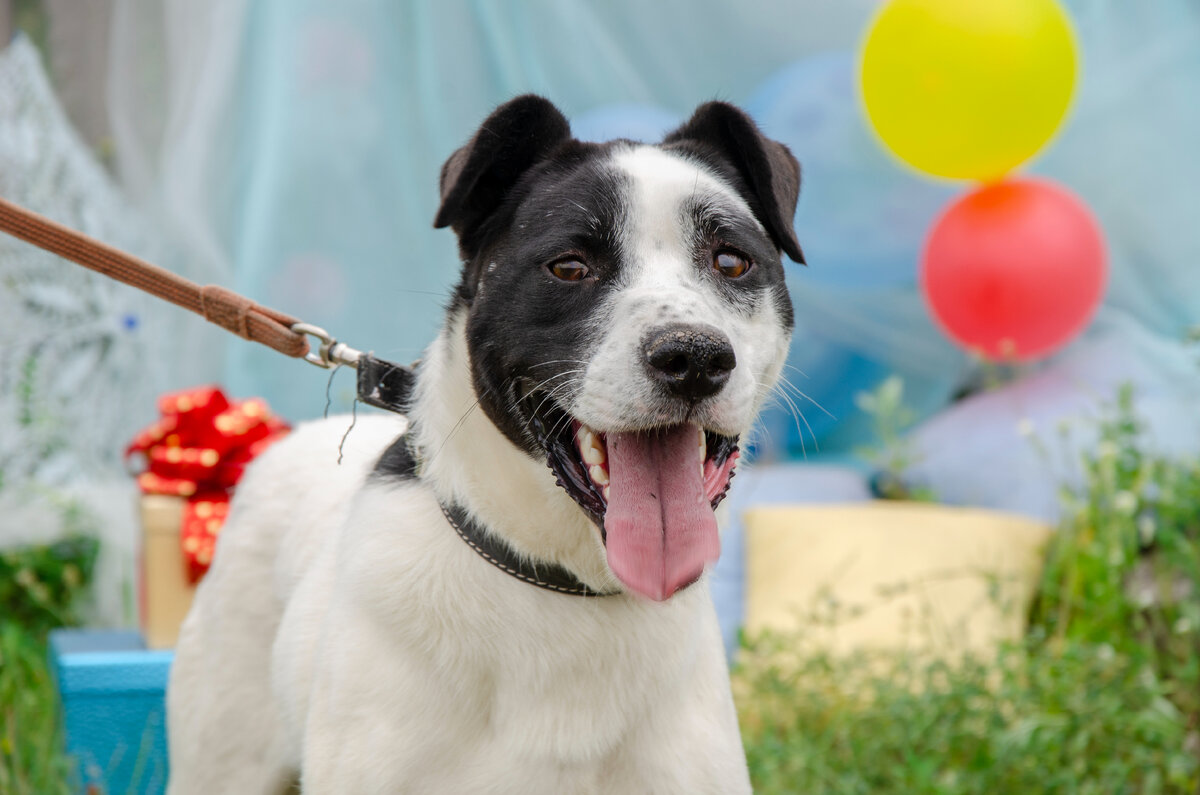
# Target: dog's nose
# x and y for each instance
(691, 361)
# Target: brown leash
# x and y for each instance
(217, 305)
(380, 383)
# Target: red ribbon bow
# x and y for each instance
(198, 450)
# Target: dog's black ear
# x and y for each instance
(767, 167)
(477, 177)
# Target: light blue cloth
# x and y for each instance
(348, 109)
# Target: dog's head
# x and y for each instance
(626, 313)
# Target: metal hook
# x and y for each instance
(330, 352)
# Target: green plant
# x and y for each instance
(1102, 696)
(32, 761)
(1124, 568)
(40, 586)
(893, 454)
(1025, 721)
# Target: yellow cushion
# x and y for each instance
(891, 575)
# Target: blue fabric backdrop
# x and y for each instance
(346, 110)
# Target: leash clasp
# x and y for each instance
(380, 383)
(330, 353)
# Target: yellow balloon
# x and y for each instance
(968, 89)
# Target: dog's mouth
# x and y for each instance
(652, 493)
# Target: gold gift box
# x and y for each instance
(166, 594)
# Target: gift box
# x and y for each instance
(114, 710)
(191, 459)
(167, 592)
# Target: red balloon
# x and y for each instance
(1014, 269)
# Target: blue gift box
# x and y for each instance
(113, 697)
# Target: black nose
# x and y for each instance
(692, 361)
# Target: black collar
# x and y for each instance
(398, 461)
(492, 548)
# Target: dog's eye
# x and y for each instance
(569, 270)
(730, 264)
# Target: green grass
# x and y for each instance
(1102, 697)
(32, 761)
(40, 589)
(1125, 571)
(1077, 720)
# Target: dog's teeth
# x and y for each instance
(591, 449)
(605, 491)
(582, 434)
(703, 446)
(592, 452)
(599, 475)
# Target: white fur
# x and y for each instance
(661, 287)
(345, 634)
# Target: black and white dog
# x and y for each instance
(510, 598)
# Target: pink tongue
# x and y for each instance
(659, 525)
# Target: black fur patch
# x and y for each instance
(477, 178)
(523, 194)
(763, 171)
(397, 461)
(526, 329)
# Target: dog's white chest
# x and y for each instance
(503, 688)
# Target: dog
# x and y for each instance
(503, 590)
